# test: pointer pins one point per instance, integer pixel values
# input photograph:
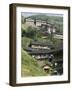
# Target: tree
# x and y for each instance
(24, 20)
(34, 21)
(31, 32)
(23, 32)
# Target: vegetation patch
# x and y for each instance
(30, 66)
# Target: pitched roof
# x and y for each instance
(42, 44)
(43, 51)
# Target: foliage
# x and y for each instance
(25, 42)
(57, 42)
(30, 32)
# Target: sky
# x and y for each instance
(27, 14)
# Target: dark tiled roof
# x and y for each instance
(42, 44)
(43, 51)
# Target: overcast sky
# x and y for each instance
(27, 14)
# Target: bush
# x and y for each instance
(25, 42)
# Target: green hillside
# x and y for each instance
(30, 66)
(49, 18)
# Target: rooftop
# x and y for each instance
(42, 43)
(36, 52)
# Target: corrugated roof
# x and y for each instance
(42, 44)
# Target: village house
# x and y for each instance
(50, 28)
(47, 68)
(41, 45)
(30, 21)
(58, 36)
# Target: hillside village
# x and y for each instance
(44, 43)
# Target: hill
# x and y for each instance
(45, 17)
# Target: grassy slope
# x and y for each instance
(30, 66)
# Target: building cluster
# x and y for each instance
(41, 23)
(48, 27)
(45, 51)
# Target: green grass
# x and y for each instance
(30, 67)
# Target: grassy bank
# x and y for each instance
(30, 66)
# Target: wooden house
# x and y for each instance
(41, 45)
